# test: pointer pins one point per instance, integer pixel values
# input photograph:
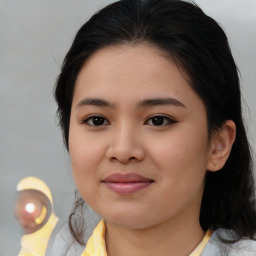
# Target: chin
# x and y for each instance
(129, 220)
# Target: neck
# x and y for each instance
(165, 239)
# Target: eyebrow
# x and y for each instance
(94, 102)
(145, 103)
(161, 101)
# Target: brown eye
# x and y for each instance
(160, 120)
(96, 121)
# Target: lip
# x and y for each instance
(126, 183)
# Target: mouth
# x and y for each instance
(127, 183)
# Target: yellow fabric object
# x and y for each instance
(36, 184)
(96, 245)
(199, 249)
(35, 244)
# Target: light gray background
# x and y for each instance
(34, 36)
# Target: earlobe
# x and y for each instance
(221, 145)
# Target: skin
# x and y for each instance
(161, 218)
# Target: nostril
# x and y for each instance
(123, 159)
(125, 152)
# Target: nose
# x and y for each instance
(125, 145)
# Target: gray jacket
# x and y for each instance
(61, 244)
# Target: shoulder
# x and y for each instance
(62, 243)
(216, 246)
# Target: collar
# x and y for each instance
(96, 245)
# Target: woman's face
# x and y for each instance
(138, 138)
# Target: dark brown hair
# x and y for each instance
(200, 47)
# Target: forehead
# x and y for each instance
(117, 60)
(126, 75)
(141, 71)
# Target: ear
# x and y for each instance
(221, 145)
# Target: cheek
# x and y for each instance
(181, 162)
(181, 154)
(85, 157)
(83, 148)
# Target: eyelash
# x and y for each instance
(90, 118)
(166, 119)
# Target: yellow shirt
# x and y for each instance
(96, 245)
